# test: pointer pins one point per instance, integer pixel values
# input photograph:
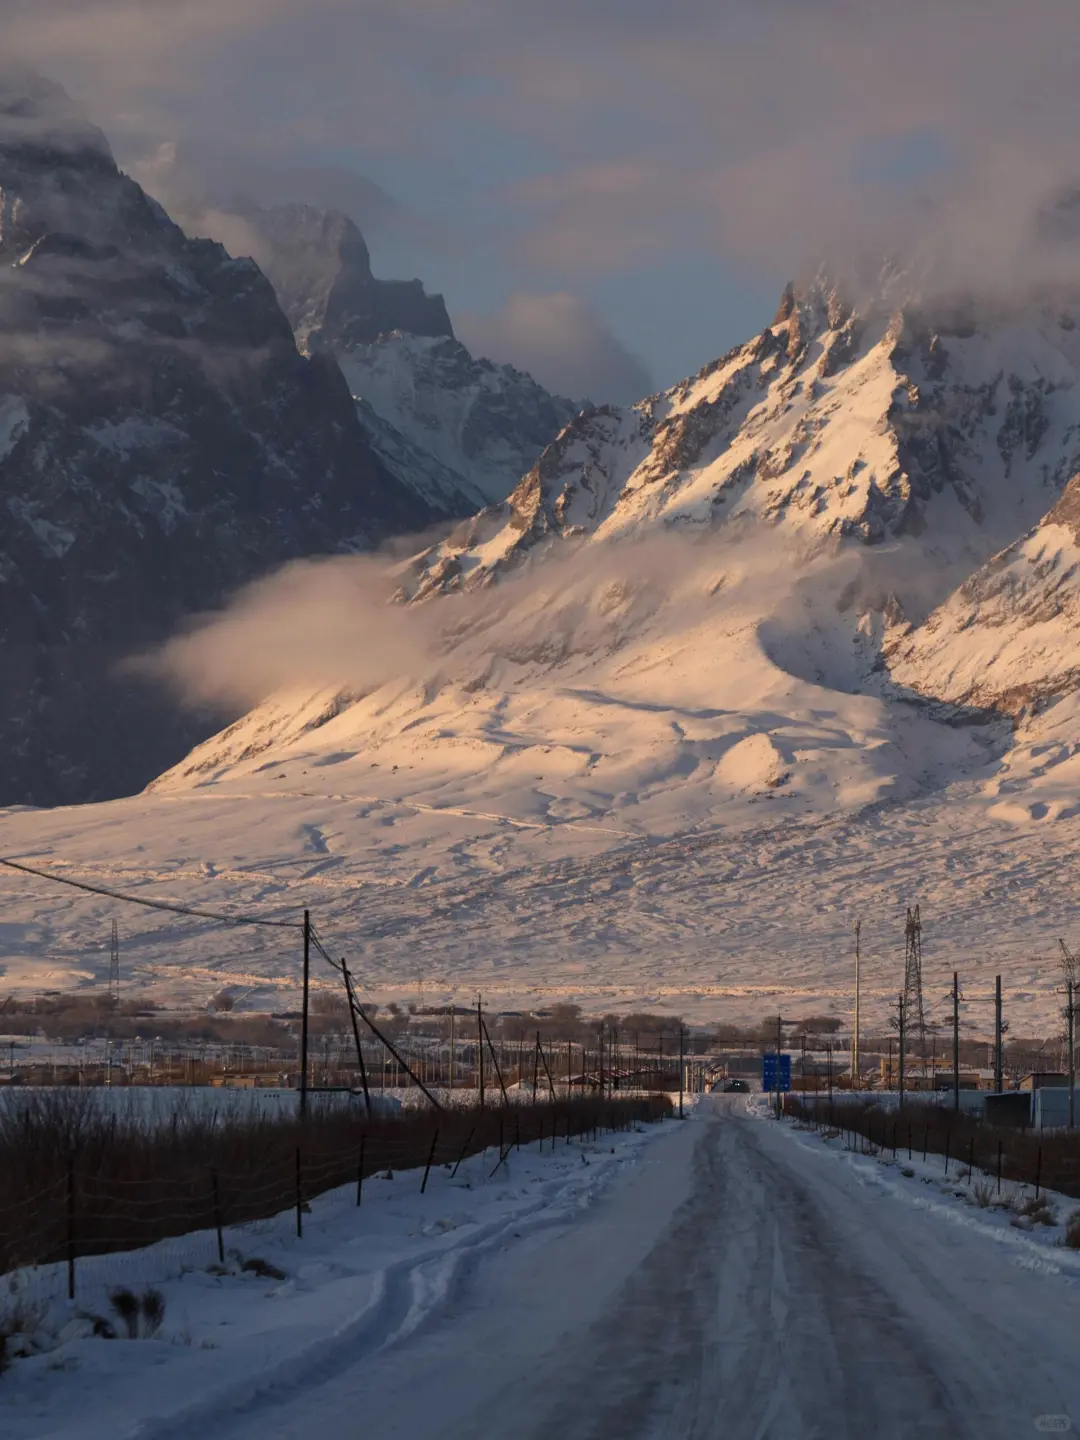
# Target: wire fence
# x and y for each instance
(964, 1142)
(77, 1188)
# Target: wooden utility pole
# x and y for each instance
(779, 1047)
(999, 1030)
(855, 1035)
(956, 1041)
(1072, 1055)
(682, 1068)
(480, 1048)
(452, 1009)
(600, 1059)
(901, 1024)
(1068, 964)
(304, 1016)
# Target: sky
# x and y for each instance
(610, 193)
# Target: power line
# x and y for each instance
(151, 904)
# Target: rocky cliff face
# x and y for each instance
(458, 431)
(161, 442)
(318, 262)
(868, 426)
(455, 428)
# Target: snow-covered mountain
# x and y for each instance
(710, 595)
(657, 729)
(161, 442)
(837, 423)
(458, 431)
(444, 421)
(1008, 637)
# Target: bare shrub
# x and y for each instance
(141, 1315)
(126, 1306)
(254, 1265)
(18, 1317)
(224, 1000)
(152, 1307)
(982, 1194)
(1038, 1211)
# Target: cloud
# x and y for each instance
(207, 189)
(331, 623)
(562, 342)
(585, 141)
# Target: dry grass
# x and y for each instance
(135, 1180)
(1052, 1159)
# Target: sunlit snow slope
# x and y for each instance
(675, 724)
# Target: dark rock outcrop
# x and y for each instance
(162, 442)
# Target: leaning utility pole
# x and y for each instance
(913, 991)
(855, 1035)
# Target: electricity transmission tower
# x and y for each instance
(114, 964)
(914, 1017)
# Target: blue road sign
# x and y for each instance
(768, 1072)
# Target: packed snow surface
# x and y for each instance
(726, 1277)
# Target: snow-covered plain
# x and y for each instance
(730, 1276)
(359, 1283)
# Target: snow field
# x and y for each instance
(359, 1282)
(964, 1198)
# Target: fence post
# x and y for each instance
(71, 1227)
(1038, 1171)
(925, 1141)
(999, 1169)
(464, 1147)
(971, 1159)
(948, 1137)
(542, 1135)
(360, 1172)
(430, 1158)
(299, 1198)
(909, 1140)
(217, 1217)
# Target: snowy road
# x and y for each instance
(741, 1284)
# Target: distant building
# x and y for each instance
(1044, 1080)
(968, 1080)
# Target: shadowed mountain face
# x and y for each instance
(320, 267)
(458, 431)
(161, 442)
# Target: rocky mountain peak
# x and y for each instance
(161, 442)
(320, 266)
(39, 118)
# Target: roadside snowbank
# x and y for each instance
(971, 1200)
(360, 1278)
